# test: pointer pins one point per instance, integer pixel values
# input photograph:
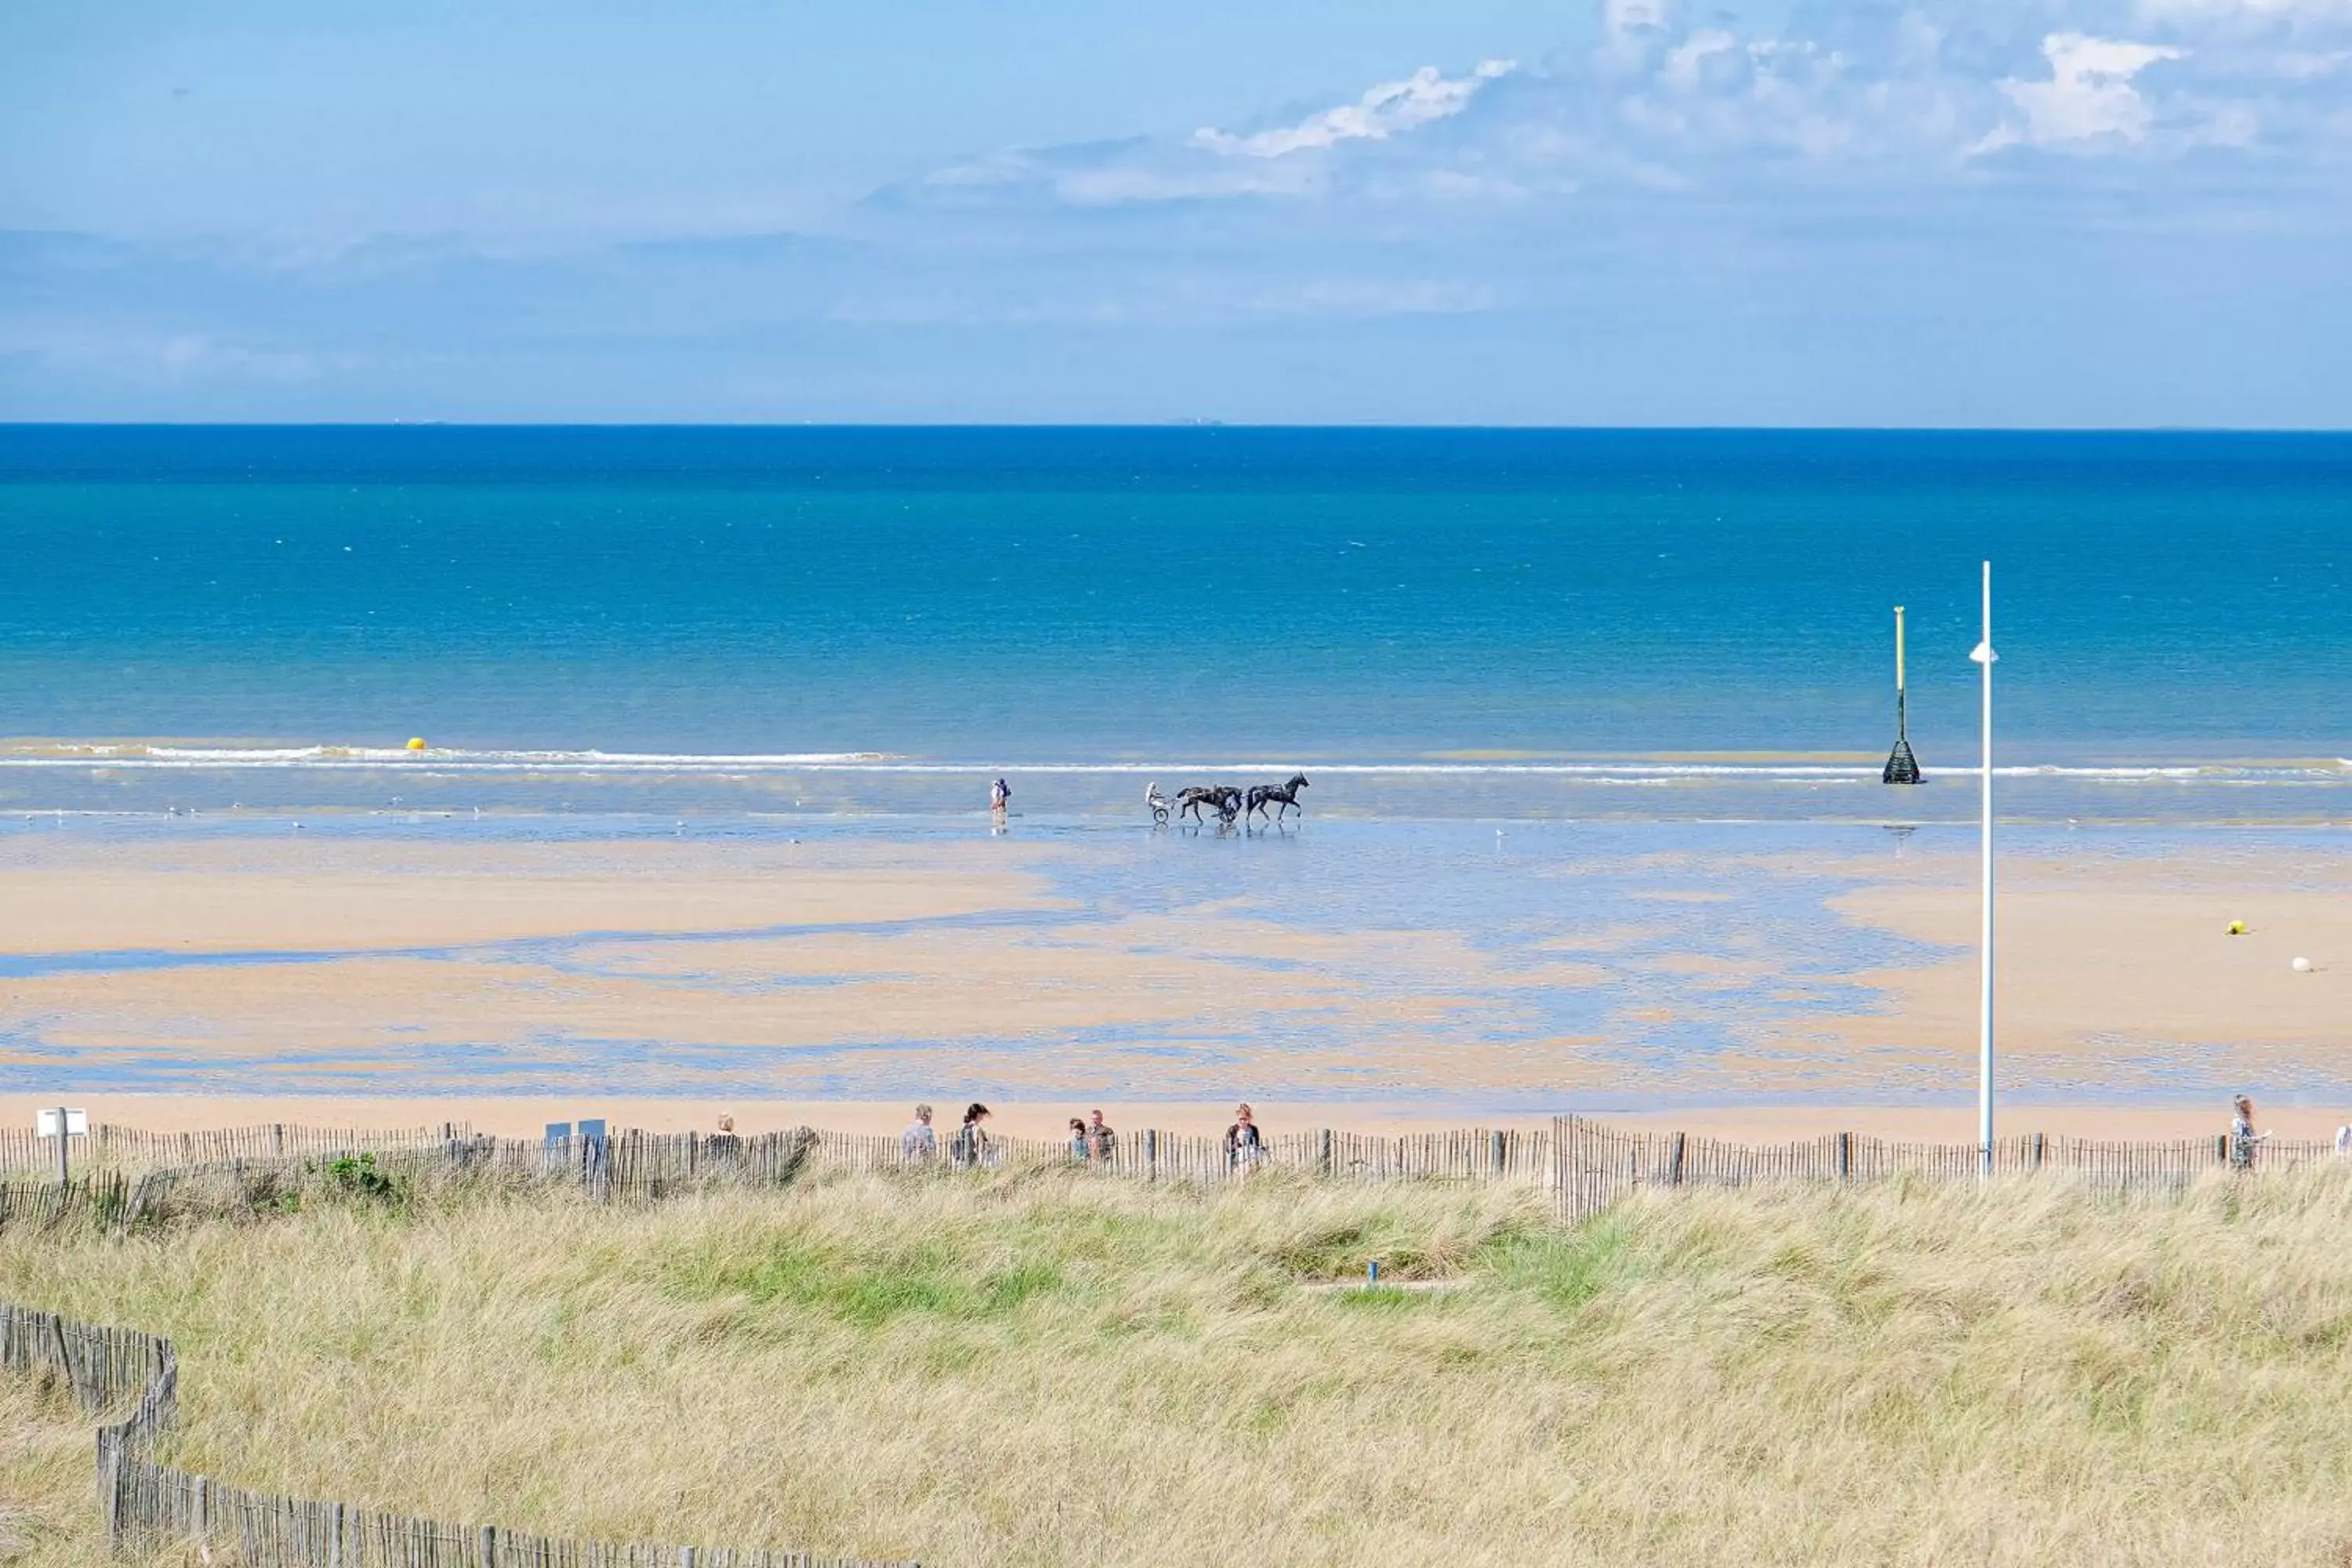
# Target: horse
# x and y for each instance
(1159, 804)
(1281, 796)
(1224, 799)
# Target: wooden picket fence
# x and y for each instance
(1585, 1164)
(648, 1167)
(109, 1147)
(629, 1166)
(1595, 1164)
(147, 1501)
(1466, 1154)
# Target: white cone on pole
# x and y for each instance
(1985, 656)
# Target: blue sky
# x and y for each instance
(1938, 212)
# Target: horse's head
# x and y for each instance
(1298, 781)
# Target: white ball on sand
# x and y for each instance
(2301, 966)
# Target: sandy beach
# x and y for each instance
(760, 975)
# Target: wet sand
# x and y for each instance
(313, 969)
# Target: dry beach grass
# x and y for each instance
(1050, 1369)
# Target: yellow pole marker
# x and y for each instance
(416, 742)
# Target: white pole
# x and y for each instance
(1984, 655)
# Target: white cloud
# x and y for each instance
(2089, 97)
(1381, 112)
(1844, 106)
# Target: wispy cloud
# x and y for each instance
(1382, 111)
(1915, 98)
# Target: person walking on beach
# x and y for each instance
(918, 1142)
(999, 796)
(1245, 1146)
(1100, 1133)
(971, 1145)
(2243, 1139)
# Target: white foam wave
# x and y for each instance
(1613, 772)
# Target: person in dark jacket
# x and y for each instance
(1244, 1145)
(971, 1149)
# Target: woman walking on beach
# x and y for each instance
(971, 1149)
(2243, 1139)
(1245, 1146)
(918, 1142)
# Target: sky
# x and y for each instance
(2038, 213)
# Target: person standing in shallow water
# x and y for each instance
(999, 796)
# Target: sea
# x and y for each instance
(1429, 624)
(1541, 685)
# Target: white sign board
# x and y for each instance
(77, 1124)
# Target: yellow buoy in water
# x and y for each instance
(2237, 928)
(416, 742)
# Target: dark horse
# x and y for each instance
(1223, 799)
(1281, 796)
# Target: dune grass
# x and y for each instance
(1046, 1369)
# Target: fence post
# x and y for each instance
(685, 1557)
(110, 1482)
(277, 1136)
(1845, 1156)
(1150, 1153)
(2038, 1138)
(1494, 1153)
(490, 1542)
(1674, 1163)
(1323, 1153)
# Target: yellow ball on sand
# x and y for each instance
(2237, 928)
(416, 742)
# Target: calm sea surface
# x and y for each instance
(1428, 622)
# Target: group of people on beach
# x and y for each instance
(1093, 1140)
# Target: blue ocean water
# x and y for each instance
(1557, 621)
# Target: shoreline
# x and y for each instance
(526, 1116)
